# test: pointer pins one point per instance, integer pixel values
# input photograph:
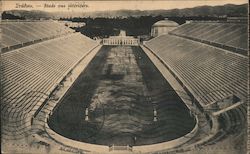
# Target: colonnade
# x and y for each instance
(121, 41)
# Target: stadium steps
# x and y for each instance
(232, 122)
(229, 36)
(16, 34)
(30, 73)
(209, 72)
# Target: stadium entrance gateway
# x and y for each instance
(122, 39)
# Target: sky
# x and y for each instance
(89, 6)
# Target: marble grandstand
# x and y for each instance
(231, 36)
(204, 62)
(30, 73)
(17, 34)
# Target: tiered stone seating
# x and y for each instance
(232, 36)
(18, 33)
(209, 73)
(31, 73)
(231, 122)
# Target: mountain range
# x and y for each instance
(216, 11)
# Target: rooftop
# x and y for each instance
(165, 22)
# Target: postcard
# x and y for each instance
(124, 76)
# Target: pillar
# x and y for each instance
(87, 114)
(155, 115)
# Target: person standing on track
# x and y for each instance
(134, 140)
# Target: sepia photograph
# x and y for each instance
(124, 77)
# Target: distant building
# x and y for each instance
(122, 33)
(163, 27)
(122, 39)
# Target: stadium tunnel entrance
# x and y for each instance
(121, 99)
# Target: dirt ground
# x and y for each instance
(122, 91)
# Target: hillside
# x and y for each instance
(225, 10)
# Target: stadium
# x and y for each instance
(182, 91)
